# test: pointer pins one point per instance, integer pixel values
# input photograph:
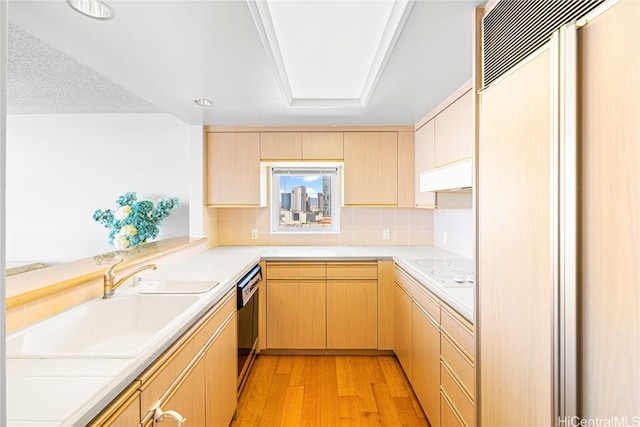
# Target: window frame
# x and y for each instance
(274, 197)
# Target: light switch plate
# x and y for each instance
(254, 234)
(386, 234)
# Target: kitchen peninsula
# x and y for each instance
(82, 388)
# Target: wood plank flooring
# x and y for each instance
(319, 391)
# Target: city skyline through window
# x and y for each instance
(305, 199)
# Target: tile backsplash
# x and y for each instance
(458, 226)
(358, 226)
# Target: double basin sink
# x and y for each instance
(121, 327)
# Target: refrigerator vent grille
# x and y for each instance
(514, 29)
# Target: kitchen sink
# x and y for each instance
(177, 286)
(122, 327)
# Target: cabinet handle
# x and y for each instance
(159, 415)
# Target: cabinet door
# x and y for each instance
(124, 411)
(386, 286)
(352, 313)
(281, 145)
(233, 169)
(424, 161)
(371, 168)
(406, 170)
(609, 211)
(426, 363)
(188, 398)
(466, 132)
(322, 146)
(221, 360)
(296, 314)
(516, 310)
(454, 131)
(403, 345)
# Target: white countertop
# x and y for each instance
(54, 392)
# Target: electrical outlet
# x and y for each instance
(254, 234)
(444, 237)
(386, 234)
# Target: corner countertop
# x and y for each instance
(64, 392)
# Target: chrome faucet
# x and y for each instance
(110, 277)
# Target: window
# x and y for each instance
(305, 199)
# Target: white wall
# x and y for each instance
(61, 168)
(3, 314)
(196, 181)
(458, 224)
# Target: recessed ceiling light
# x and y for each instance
(92, 8)
(203, 102)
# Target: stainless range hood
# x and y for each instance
(456, 176)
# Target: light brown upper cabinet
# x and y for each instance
(371, 168)
(322, 146)
(233, 169)
(453, 131)
(406, 169)
(424, 160)
(301, 146)
(281, 145)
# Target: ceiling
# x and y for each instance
(158, 56)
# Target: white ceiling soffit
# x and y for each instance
(339, 69)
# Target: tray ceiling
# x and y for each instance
(160, 56)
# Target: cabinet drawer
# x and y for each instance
(459, 329)
(448, 417)
(352, 270)
(461, 403)
(296, 270)
(170, 366)
(421, 295)
(460, 365)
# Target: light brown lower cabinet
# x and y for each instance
(352, 314)
(403, 342)
(352, 301)
(322, 305)
(221, 376)
(129, 414)
(123, 411)
(296, 313)
(195, 377)
(426, 363)
(436, 348)
(448, 416)
(457, 365)
(187, 398)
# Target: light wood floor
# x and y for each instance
(328, 391)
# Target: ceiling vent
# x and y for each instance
(514, 29)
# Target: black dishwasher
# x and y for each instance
(248, 297)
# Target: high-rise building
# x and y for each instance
(299, 198)
(325, 207)
(285, 201)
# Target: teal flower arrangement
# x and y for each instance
(135, 221)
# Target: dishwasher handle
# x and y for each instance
(248, 285)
